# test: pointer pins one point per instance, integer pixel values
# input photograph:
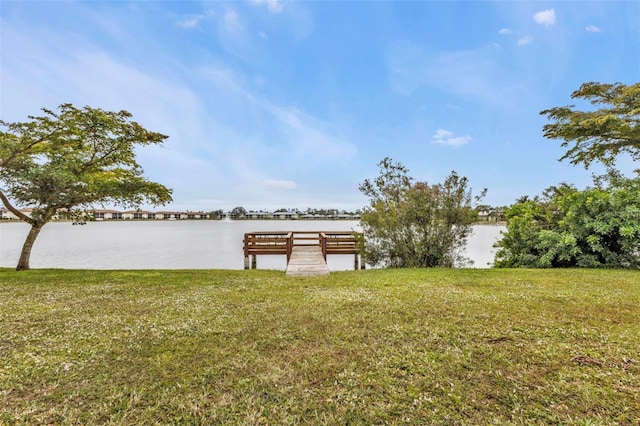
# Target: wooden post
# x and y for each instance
(355, 261)
(289, 246)
(362, 264)
(254, 261)
(322, 238)
(246, 251)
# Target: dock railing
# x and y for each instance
(284, 242)
(338, 243)
(256, 243)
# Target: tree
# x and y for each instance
(71, 160)
(216, 214)
(596, 227)
(411, 224)
(238, 213)
(604, 133)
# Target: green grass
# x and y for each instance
(365, 347)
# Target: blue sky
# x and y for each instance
(273, 104)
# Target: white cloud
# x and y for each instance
(593, 29)
(525, 40)
(231, 21)
(279, 184)
(505, 31)
(274, 6)
(235, 36)
(545, 17)
(191, 22)
(446, 137)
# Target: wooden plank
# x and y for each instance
(307, 261)
(267, 252)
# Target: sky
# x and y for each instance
(274, 104)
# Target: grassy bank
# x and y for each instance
(370, 347)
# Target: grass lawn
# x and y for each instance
(356, 347)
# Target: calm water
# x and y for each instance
(179, 244)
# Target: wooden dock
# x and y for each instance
(306, 251)
(306, 261)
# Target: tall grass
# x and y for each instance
(363, 347)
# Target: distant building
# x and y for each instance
(285, 215)
(107, 215)
(167, 215)
(197, 215)
(259, 215)
(138, 214)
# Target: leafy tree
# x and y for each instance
(216, 214)
(66, 162)
(520, 245)
(238, 213)
(597, 227)
(602, 134)
(411, 224)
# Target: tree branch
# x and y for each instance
(14, 210)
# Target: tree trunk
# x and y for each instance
(23, 262)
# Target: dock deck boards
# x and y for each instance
(307, 261)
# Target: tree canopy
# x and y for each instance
(69, 161)
(414, 224)
(596, 227)
(238, 212)
(600, 135)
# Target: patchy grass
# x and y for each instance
(370, 347)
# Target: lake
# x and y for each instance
(207, 244)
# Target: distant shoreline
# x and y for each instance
(499, 223)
